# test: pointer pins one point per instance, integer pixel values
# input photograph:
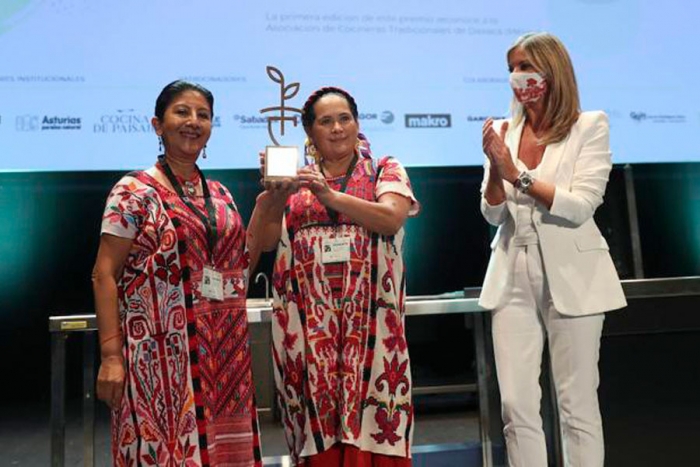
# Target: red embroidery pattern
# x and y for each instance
(532, 92)
(388, 415)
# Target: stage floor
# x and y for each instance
(446, 437)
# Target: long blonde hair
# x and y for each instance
(561, 102)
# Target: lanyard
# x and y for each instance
(332, 213)
(208, 221)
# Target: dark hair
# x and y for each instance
(308, 115)
(174, 89)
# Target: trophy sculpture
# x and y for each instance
(281, 161)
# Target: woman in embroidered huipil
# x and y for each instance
(170, 282)
(340, 356)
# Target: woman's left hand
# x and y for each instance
(316, 182)
(498, 153)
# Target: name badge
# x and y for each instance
(212, 284)
(335, 250)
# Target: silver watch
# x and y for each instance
(523, 182)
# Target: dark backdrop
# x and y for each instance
(49, 231)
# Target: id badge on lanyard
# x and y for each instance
(335, 250)
(212, 286)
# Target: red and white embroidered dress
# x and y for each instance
(341, 362)
(188, 396)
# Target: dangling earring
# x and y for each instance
(362, 146)
(311, 150)
(160, 144)
(204, 152)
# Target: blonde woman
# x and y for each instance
(550, 275)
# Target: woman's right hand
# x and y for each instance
(110, 380)
(111, 258)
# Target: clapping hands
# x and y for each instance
(498, 153)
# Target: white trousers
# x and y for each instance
(519, 329)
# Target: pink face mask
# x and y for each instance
(528, 87)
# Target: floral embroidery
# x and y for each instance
(168, 269)
(394, 376)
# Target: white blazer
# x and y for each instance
(581, 275)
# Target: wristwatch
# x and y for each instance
(523, 182)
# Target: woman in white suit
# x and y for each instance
(550, 274)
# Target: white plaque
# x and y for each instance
(281, 162)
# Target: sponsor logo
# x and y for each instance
(428, 120)
(125, 121)
(386, 117)
(61, 123)
(250, 121)
(638, 116)
(483, 118)
(657, 118)
(46, 123)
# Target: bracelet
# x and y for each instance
(107, 339)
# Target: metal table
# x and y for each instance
(260, 311)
